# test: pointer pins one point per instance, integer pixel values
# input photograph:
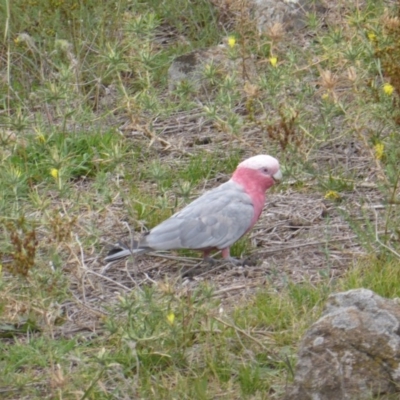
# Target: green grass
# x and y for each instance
(83, 107)
(158, 340)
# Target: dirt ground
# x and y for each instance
(301, 236)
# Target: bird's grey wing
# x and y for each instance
(216, 219)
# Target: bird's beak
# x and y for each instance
(277, 176)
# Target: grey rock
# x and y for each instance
(352, 352)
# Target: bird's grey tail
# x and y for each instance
(121, 251)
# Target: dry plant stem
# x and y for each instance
(187, 273)
(108, 279)
(282, 249)
(88, 271)
(217, 268)
(236, 329)
(380, 242)
(217, 293)
(82, 259)
(307, 67)
(81, 275)
(196, 261)
(149, 279)
(392, 202)
(134, 280)
(99, 313)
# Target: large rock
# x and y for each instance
(352, 352)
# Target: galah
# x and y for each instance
(215, 220)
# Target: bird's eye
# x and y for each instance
(265, 170)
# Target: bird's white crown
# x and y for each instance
(260, 161)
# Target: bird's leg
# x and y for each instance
(209, 261)
(226, 255)
(238, 262)
(207, 258)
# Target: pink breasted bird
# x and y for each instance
(218, 218)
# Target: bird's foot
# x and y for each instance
(241, 262)
(236, 262)
(210, 261)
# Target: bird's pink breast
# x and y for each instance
(258, 200)
(255, 184)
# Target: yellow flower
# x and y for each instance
(388, 89)
(40, 137)
(371, 36)
(171, 318)
(273, 61)
(379, 149)
(54, 173)
(332, 195)
(324, 96)
(231, 41)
